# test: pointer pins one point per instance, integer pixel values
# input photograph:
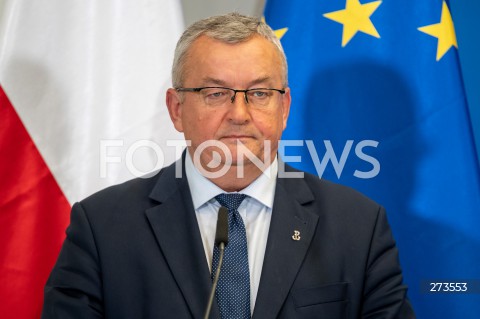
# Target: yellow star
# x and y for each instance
(443, 31)
(355, 17)
(280, 32)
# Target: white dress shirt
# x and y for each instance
(256, 212)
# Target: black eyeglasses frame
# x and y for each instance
(235, 91)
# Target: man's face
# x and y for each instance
(247, 65)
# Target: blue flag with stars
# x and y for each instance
(378, 104)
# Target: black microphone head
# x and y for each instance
(221, 235)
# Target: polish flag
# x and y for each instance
(82, 90)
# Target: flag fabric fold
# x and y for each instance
(378, 104)
(33, 217)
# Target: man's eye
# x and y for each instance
(215, 94)
(259, 94)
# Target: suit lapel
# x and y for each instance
(291, 230)
(176, 229)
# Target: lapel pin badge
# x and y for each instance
(296, 235)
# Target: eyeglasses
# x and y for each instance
(218, 96)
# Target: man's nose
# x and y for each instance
(242, 93)
(238, 109)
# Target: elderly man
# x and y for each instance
(297, 247)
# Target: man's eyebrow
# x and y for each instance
(260, 80)
(213, 81)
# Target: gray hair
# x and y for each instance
(229, 28)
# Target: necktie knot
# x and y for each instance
(230, 201)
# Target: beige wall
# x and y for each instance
(197, 9)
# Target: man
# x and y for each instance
(298, 247)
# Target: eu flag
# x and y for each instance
(378, 104)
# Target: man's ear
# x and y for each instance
(286, 101)
(175, 108)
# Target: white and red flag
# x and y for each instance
(82, 89)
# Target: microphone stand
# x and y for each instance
(221, 240)
(221, 248)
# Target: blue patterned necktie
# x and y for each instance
(233, 290)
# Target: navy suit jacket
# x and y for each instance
(134, 251)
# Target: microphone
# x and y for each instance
(221, 234)
(221, 240)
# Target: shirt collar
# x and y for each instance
(203, 190)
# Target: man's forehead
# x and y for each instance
(216, 63)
